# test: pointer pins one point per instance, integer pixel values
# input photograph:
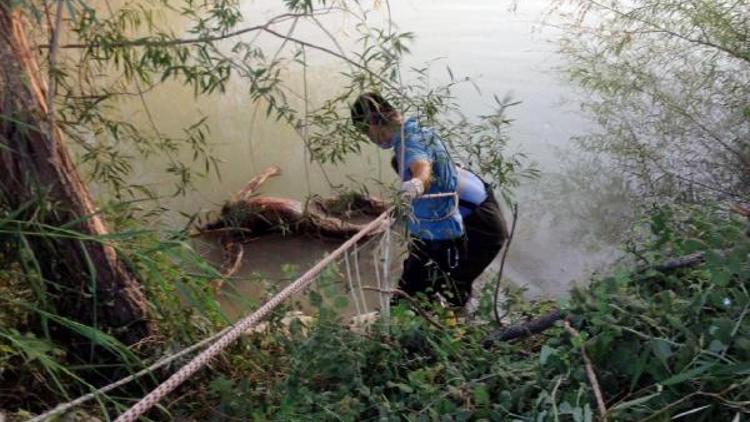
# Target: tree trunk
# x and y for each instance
(85, 278)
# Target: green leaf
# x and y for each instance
(661, 348)
(635, 402)
(694, 245)
(481, 395)
(545, 354)
(401, 386)
(340, 302)
(716, 346)
(687, 375)
(315, 299)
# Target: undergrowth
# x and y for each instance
(664, 345)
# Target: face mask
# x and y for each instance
(388, 145)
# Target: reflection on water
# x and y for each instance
(477, 38)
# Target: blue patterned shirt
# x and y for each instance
(431, 218)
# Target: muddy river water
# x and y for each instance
(506, 52)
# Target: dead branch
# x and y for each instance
(256, 182)
(686, 261)
(590, 373)
(526, 329)
(233, 253)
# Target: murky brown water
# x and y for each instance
(504, 51)
(273, 261)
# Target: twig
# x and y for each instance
(54, 44)
(718, 396)
(498, 318)
(233, 253)
(590, 373)
(414, 303)
(333, 53)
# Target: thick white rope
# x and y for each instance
(168, 359)
(352, 292)
(376, 265)
(63, 407)
(242, 326)
(359, 279)
(385, 311)
(156, 365)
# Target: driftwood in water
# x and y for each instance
(260, 215)
(247, 216)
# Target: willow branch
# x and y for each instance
(335, 54)
(673, 34)
(151, 42)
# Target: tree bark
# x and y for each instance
(83, 275)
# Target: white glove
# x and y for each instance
(411, 189)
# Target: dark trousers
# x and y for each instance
(428, 269)
(486, 232)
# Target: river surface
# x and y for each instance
(506, 52)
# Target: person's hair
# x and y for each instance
(371, 109)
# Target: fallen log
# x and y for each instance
(526, 329)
